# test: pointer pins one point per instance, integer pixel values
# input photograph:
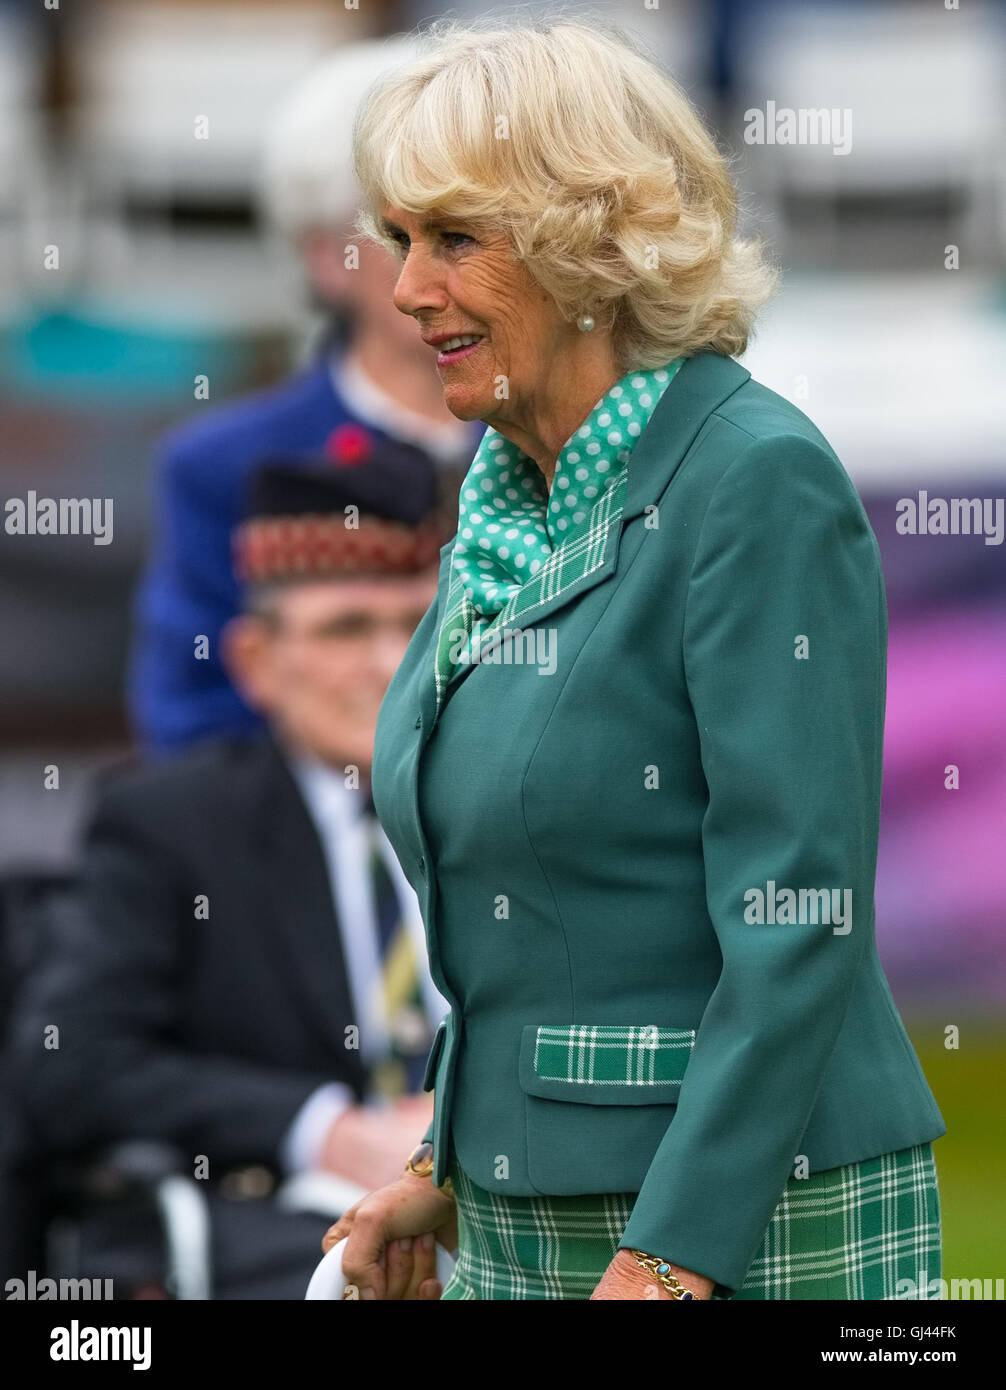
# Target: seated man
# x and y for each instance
(240, 970)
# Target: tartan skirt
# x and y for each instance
(852, 1232)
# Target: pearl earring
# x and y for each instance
(585, 323)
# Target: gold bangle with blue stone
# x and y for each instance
(661, 1271)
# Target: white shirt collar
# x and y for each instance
(325, 791)
(338, 813)
(371, 404)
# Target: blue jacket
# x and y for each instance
(189, 588)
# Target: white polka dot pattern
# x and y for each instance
(490, 568)
(519, 546)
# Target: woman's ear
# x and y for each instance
(244, 651)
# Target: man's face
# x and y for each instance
(364, 285)
(319, 667)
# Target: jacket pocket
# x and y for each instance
(604, 1063)
(430, 1075)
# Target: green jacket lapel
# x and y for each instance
(700, 387)
(702, 384)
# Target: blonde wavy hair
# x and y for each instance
(562, 132)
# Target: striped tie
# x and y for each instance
(400, 1071)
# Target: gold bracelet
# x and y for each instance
(661, 1270)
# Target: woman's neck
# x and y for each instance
(564, 403)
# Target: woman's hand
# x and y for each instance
(391, 1250)
(624, 1279)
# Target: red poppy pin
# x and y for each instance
(348, 445)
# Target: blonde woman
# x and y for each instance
(631, 762)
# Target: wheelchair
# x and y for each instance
(142, 1190)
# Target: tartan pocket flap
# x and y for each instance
(604, 1063)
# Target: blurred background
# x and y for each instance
(889, 332)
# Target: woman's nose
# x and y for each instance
(419, 285)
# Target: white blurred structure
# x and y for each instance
(671, 31)
(176, 100)
(922, 89)
(307, 177)
(172, 105)
(22, 147)
(902, 373)
(923, 85)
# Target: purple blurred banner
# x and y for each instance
(941, 876)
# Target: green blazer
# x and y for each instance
(590, 844)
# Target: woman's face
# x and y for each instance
(455, 282)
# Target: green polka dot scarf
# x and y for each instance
(517, 544)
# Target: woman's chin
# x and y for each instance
(466, 402)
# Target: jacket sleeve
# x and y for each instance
(117, 948)
(785, 640)
(187, 590)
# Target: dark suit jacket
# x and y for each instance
(205, 1033)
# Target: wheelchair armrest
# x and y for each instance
(321, 1192)
(118, 1169)
(162, 1173)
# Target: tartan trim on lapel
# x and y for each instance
(606, 1054)
(566, 566)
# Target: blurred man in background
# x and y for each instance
(377, 375)
(240, 971)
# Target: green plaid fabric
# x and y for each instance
(463, 638)
(605, 1054)
(867, 1230)
(519, 546)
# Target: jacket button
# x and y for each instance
(419, 721)
(422, 866)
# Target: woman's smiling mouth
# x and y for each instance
(455, 348)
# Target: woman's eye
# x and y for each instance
(453, 240)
